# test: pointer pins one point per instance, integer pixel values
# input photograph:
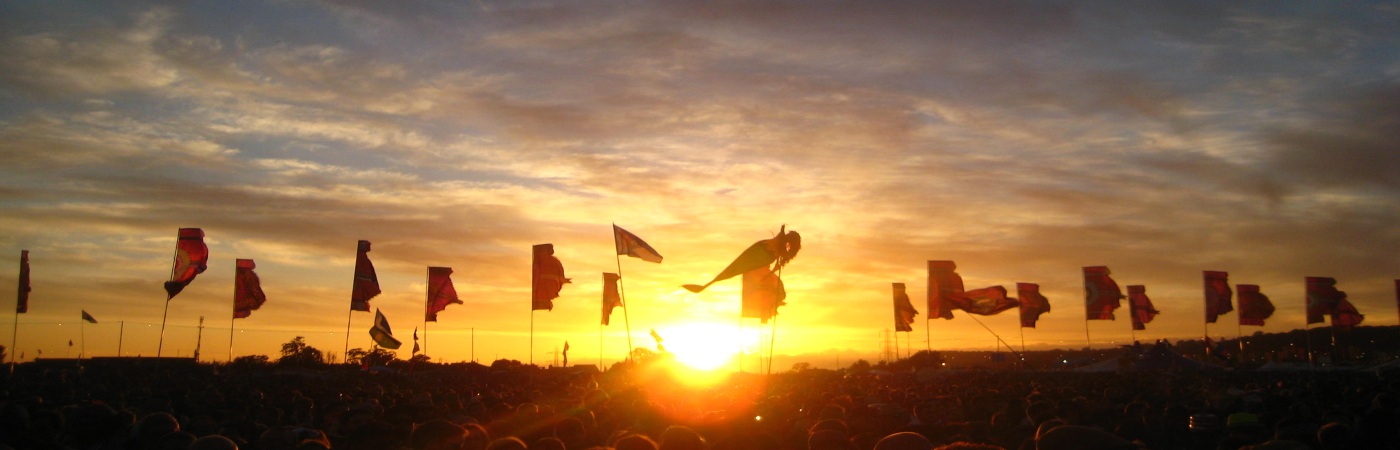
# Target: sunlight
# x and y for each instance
(703, 346)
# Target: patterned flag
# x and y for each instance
(440, 292)
(943, 283)
(247, 289)
(1218, 294)
(1101, 294)
(631, 245)
(611, 298)
(22, 304)
(762, 294)
(415, 340)
(781, 249)
(987, 301)
(191, 258)
(1032, 303)
(904, 311)
(366, 284)
(1254, 305)
(381, 333)
(88, 317)
(1140, 307)
(1323, 297)
(547, 278)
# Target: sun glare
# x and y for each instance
(702, 346)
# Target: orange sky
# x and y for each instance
(1021, 141)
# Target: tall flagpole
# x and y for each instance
(82, 338)
(622, 296)
(173, 259)
(351, 312)
(121, 333)
(14, 337)
(928, 336)
(234, 317)
(428, 300)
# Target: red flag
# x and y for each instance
(366, 284)
(985, 302)
(631, 245)
(1323, 297)
(1032, 303)
(440, 292)
(1101, 294)
(943, 282)
(1254, 305)
(1140, 307)
(547, 278)
(22, 305)
(1345, 314)
(247, 289)
(904, 311)
(763, 292)
(191, 258)
(611, 298)
(1218, 294)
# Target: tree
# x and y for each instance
(801, 367)
(377, 357)
(250, 361)
(420, 359)
(298, 353)
(860, 365)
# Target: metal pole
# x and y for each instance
(622, 296)
(199, 339)
(173, 259)
(121, 333)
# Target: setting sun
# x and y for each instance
(706, 346)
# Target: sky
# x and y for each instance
(1023, 140)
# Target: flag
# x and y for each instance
(1218, 294)
(1254, 305)
(191, 258)
(70, 342)
(631, 245)
(985, 302)
(247, 289)
(1032, 303)
(611, 299)
(1101, 294)
(1345, 314)
(657, 337)
(22, 304)
(88, 317)
(943, 282)
(781, 249)
(366, 284)
(762, 294)
(1323, 297)
(566, 353)
(1140, 307)
(547, 278)
(415, 340)
(440, 292)
(381, 333)
(904, 311)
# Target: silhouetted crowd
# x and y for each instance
(200, 407)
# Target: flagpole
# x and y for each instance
(928, 336)
(234, 318)
(994, 334)
(622, 296)
(532, 330)
(773, 333)
(473, 344)
(173, 259)
(600, 346)
(121, 333)
(741, 340)
(1023, 338)
(82, 338)
(14, 337)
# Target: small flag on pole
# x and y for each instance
(381, 333)
(247, 289)
(1254, 305)
(1101, 294)
(611, 298)
(191, 258)
(547, 276)
(366, 284)
(415, 340)
(1218, 294)
(440, 292)
(631, 245)
(1032, 303)
(88, 317)
(22, 304)
(1141, 307)
(904, 311)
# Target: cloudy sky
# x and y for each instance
(1023, 141)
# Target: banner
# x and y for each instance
(191, 258)
(441, 292)
(1032, 303)
(1218, 295)
(366, 284)
(1101, 294)
(247, 289)
(547, 277)
(904, 311)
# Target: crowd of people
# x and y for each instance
(171, 406)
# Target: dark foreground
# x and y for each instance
(169, 405)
